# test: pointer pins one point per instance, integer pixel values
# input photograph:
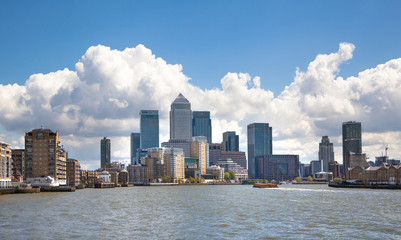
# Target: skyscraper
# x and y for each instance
(202, 125)
(231, 142)
(180, 118)
(149, 127)
(326, 153)
(135, 144)
(105, 146)
(259, 143)
(352, 141)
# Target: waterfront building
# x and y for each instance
(123, 177)
(134, 146)
(180, 118)
(216, 153)
(334, 167)
(259, 143)
(385, 174)
(174, 163)
(229, 165)
(326, 153)
(200, 150)
(216, 172)
(73, 172)
(278, 167)
(18, 156)
(105, 149)
(315, 167)
(230, 142)
(5, 165)
(202, 125)
(191, 167)
(44, 156)
(89, 177)
(149, 125)
(352, 140)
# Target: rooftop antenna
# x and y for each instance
(385, 147)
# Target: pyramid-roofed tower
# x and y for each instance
(180, 118)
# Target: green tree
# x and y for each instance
(226, 176)
(337, 180)
(198, 180)
(166, 179)
(191, 179)
(310, 179)
(298, 179)
(232, 175)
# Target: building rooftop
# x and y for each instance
(180, 99)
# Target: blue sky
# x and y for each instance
(209, 38)
(214, 41)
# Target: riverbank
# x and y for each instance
(373, 186)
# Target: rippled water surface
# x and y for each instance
(204, 212)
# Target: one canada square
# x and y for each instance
(180, 118)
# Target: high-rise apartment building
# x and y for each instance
(18, 156)
(73, 172)
(200, 150)
(180, 118)
(134, 146)
(44, 156)
(105, 149)
(149, 128)
(326, 153)
(352, 141)
(259, 143)
(5, 165)
(174, 163)
(231, 141)
(202, 125)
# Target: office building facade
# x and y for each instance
(352, 141)
(149, 128)
(259, 143)
(134, 146)
(180, 118)
(278, 167)
(105, 151)
(326, 153)
(202, 125)
(231, 141)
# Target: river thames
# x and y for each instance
(204, 212)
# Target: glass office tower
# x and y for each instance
(180, 118)
(259, 143)
(202, 125)
(149, 127)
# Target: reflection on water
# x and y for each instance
(204, 212)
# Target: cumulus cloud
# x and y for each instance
(108, 88)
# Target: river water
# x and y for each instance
(204, 212)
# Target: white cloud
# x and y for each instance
(108, 88)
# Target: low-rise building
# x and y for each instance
(277, 167)
(385, 174)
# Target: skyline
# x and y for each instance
(246, 75)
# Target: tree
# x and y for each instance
(166, 179)
(298, 179)
(232, 175)
(226, 176)
(310, 179)
(337, 180)
(191, 179)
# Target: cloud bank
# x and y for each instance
(108, 88)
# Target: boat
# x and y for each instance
(265, 185)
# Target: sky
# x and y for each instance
(86, 68)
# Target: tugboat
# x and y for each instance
(265, 185)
